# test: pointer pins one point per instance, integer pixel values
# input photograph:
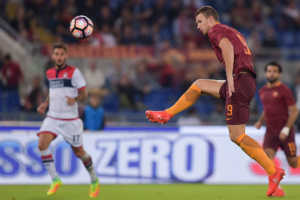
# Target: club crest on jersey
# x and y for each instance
(275, 94)
(65, 75)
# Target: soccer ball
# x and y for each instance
(81, 27)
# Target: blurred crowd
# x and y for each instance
(115, 88)
(268, 23)
(143, 84)
(152, 83)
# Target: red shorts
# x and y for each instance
(237, 106)
(272, 141)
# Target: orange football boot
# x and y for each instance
(274, 181)
(161, 117)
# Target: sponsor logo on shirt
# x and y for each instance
(60, 83)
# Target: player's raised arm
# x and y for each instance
(228, 55)
(260, 121)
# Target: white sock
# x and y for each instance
(48, 162)
(88, 163)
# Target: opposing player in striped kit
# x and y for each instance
(66, 87)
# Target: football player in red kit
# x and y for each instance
(279, 113)
(237, 91)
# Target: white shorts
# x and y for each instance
(71, 130)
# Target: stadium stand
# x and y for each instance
(158, 35)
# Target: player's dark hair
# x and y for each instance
(60, 46)
(208, 11)
(273, 63)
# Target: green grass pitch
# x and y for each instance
(147, 192)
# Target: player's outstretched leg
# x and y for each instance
(45, 139)
(255, 151)
(200, 86)
(88, 163)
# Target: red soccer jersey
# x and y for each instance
(276, 101)
(242, 54)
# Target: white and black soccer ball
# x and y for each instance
(81, 27)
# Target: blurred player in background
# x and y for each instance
(237, 91)
(66, 87)
(280, 113)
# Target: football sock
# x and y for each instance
(186, 100)
(255, 151)
(88, 163)
(48, 162)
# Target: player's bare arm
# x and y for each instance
(228, 55)
(260, 121)
(293, 114)
(81, 97)
(43, 106)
